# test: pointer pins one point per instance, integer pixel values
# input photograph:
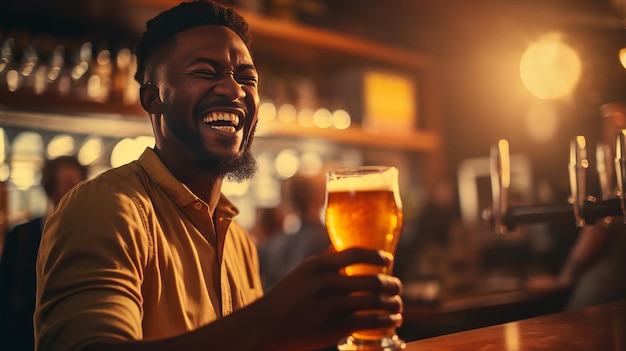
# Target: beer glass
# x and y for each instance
(363, 209)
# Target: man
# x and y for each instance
(148, 257)
(17, 266)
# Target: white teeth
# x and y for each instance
(224, 128)
(222, 116)
(233, 118)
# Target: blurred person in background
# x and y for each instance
(17, 264)
(304, 196)
(268, 223)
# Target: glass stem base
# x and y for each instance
(390, 343)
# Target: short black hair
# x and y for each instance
(185, 15)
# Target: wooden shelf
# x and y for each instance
(87, 117)
(422, 141)
(108, 126)
(49, 103)
(285, 40)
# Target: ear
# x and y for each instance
(150, 99)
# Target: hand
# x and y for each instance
(316, 305)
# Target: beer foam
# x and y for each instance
(368, 182)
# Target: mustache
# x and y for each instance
(221, 103)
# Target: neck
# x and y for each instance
(204, 185)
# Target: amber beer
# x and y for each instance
(364, 218)
(363, 209)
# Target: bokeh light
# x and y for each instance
(311, 163)
(27, 159)
(287, 113)
(90, 151)
(61, 145)
(305, 117)
(341, 119)
(267, 111)
(322, 118)
(232, 188)
(129, 149)
(549, 68)
(286, 163)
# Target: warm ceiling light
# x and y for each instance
(550, 69)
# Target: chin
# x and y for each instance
(239, 167)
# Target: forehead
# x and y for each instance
(211, 39)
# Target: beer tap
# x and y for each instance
(582, 209)
(605, 170)
(578, 165)
(620, 169)
(500, 171)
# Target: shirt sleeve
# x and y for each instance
(90, 268)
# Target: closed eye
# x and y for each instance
(251, 80)
(206, 74)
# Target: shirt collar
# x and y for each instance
(176, 190)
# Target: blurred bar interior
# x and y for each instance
(426, 86)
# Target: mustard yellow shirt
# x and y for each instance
(134, 254)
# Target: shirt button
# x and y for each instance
(198, 205)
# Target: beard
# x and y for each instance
(237, 168)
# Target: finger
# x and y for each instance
(335, 261)
(380, 283)
(350, 313)
(349, 304)
(368, 302)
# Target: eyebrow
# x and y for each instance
(203, 60)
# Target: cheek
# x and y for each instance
(179, 102)
(254, 94)
(252, 100)
(177, 89)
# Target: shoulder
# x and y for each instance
(125, 185)
(115, 200)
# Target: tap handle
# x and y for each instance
(605, 170)
(578, 165)
(500, 171)
(620, 168)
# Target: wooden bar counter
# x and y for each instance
(597, 328)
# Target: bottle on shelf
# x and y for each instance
(99, 83)
(7, 61)
(58, 76)
(80, 69)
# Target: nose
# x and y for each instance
(229, 87)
